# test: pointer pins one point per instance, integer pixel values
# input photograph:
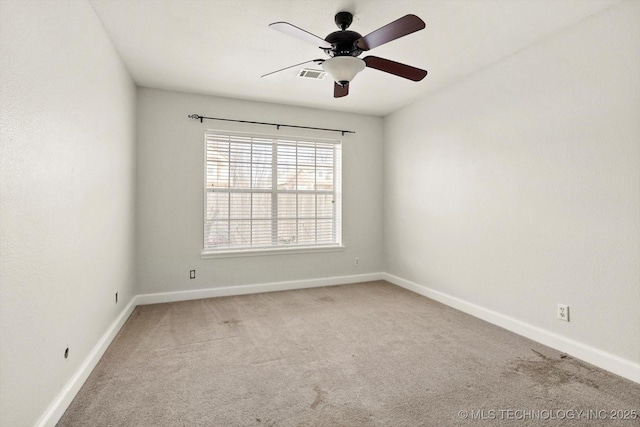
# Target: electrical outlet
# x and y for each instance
(192, 274)
(356, 261)
(563, 312)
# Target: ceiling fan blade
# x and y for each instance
(292, 30)
(339, 91)
(317, 61)
(396, 68)
(399, 28)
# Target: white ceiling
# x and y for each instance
(222, 47)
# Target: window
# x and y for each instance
(264, 192)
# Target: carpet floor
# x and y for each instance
(366, 354)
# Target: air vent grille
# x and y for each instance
(308, 73)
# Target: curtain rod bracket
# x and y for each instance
(278, 126)
(195, 116)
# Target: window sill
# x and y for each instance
(270, 251)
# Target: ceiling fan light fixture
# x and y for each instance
(344, 46)
(343, 69)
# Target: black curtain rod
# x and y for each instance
(278, 126)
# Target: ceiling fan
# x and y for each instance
(344, 47)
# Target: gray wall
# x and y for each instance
(170, 192)
(67, 188)
(519, 187)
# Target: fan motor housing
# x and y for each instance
(344, 43)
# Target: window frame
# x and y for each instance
(275, 249)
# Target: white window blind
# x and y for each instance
(265, 192)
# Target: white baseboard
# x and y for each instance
(63, 400)
(610, 362)
(254, 289)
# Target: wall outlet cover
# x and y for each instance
(563, 312)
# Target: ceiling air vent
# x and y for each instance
(308, 73)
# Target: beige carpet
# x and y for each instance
(367, 354)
